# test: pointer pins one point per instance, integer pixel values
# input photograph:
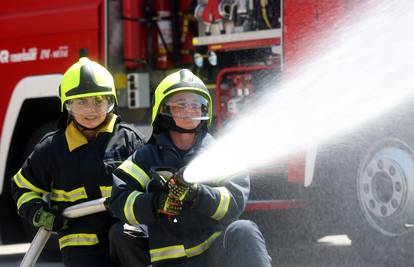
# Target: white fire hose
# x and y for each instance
(42, 235)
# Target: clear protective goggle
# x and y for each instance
(90, 105)
(186, 105)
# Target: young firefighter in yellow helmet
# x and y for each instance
(74, 164)
(188, 224)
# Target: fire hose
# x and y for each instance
(42, 235)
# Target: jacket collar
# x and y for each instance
(76, 139)
(163, 139)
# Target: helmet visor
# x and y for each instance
(90, 105)
(186, 106)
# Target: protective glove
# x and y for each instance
(181, 189)
(155, 186)
(108, 208)
(168, 205)
(159, 178)
(50, 219)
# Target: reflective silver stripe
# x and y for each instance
(78, 240)
(71, 196)
(132, 169)
(106, 191)
(171, 252)
(129, 208)
(26, 197)
(223, 205)
(24, 183)
(197, 250)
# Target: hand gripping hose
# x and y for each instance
(42, 235)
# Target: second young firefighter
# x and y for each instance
(188, 224)
(74, 164)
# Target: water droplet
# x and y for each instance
(366, 188)
(384, 210)
(392, 170)
(372, 204)
(398, 186)
(394, 203)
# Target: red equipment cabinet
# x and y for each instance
(135, 33)
(162, 34)
(187, 23)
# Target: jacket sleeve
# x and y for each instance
(129, 200)
(224, 201)
(135, 139)
(32, 182)
(124, 142)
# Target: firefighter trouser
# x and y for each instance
(241, 245)
(129, 246)
(86, 256)
(244, 245)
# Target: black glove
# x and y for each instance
(155, 186)
(108, 208)
(162, 175)
(50, 219)
(168, 205)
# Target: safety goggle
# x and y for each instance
(184, 106)
(191, 106)
(90, 105)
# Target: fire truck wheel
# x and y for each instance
(384, 188)
(365, 188)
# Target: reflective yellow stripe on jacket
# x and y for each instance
(171, 252)
(78, 240)
(197, 250)
(22, 182)
(68, 196)
(106, 191)
(136, 172)
(129, 208)
(26, 197)
(179, 251)
(223, 206)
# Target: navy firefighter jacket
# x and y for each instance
(69, 169)
(199, 224)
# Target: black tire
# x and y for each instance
(51, 250)
(385, 191)
(365, 188)
(10, 226)
(37, 135)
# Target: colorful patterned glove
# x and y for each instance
(177, 190)
(168, 205)
(50, 219)
(181, 189)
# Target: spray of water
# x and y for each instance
(362, 71)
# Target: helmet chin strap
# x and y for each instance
(168, 123)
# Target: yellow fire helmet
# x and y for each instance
(84, 79)
(180, 81)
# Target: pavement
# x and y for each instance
(331, 251)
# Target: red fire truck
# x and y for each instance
(233, 45)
